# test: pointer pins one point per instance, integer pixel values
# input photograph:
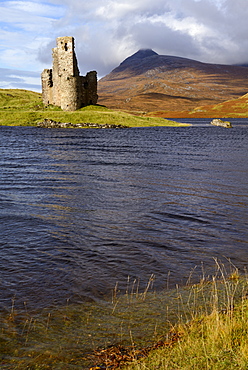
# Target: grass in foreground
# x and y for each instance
(25, 108)
(202, 326)
(214, 340)
(217, 342)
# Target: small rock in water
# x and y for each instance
(219, 122)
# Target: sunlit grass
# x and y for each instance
(208, 319)
(213, 329)
(25, 108)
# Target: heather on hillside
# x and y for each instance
(172, 84)
(236, 108)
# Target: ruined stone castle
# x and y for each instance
(62, 85)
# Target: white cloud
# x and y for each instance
(13, 79)
(37, 8)
(25, 26)
(107, 31)
(113, 10)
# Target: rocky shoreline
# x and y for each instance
(49, 123)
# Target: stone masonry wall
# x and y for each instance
(62, 85)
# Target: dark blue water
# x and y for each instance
(83, 209)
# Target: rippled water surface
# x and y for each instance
(83, 209)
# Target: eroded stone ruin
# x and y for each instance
(62, 85)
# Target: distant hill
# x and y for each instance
(232, 108)
(148, 82)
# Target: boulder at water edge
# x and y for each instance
(219, 122)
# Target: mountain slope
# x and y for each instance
(236, 108)
(147, 81)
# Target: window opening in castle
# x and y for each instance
(66, 48)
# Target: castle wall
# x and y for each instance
(70, 99)
(47, 86)
(92, 96)
(63, 86)
(56, 79)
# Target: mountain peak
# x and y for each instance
(144, 53)
(140, 54)
(146, 81)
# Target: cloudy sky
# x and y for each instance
(108, 31)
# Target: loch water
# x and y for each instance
(83, 209)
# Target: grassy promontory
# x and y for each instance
(25, 108)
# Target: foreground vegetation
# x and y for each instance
(217, 340)
(25, 108)
(201, 326)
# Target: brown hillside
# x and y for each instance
(237, 108)
(149, 82)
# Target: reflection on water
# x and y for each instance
(83, 209)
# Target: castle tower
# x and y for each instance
(66, 75)
(63, 86)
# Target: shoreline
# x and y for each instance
(126, 330)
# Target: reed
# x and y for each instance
(212, 328)
(199, 326)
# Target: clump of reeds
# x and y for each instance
(213, 327)
(200, 326)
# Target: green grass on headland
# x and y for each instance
(25, 108)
